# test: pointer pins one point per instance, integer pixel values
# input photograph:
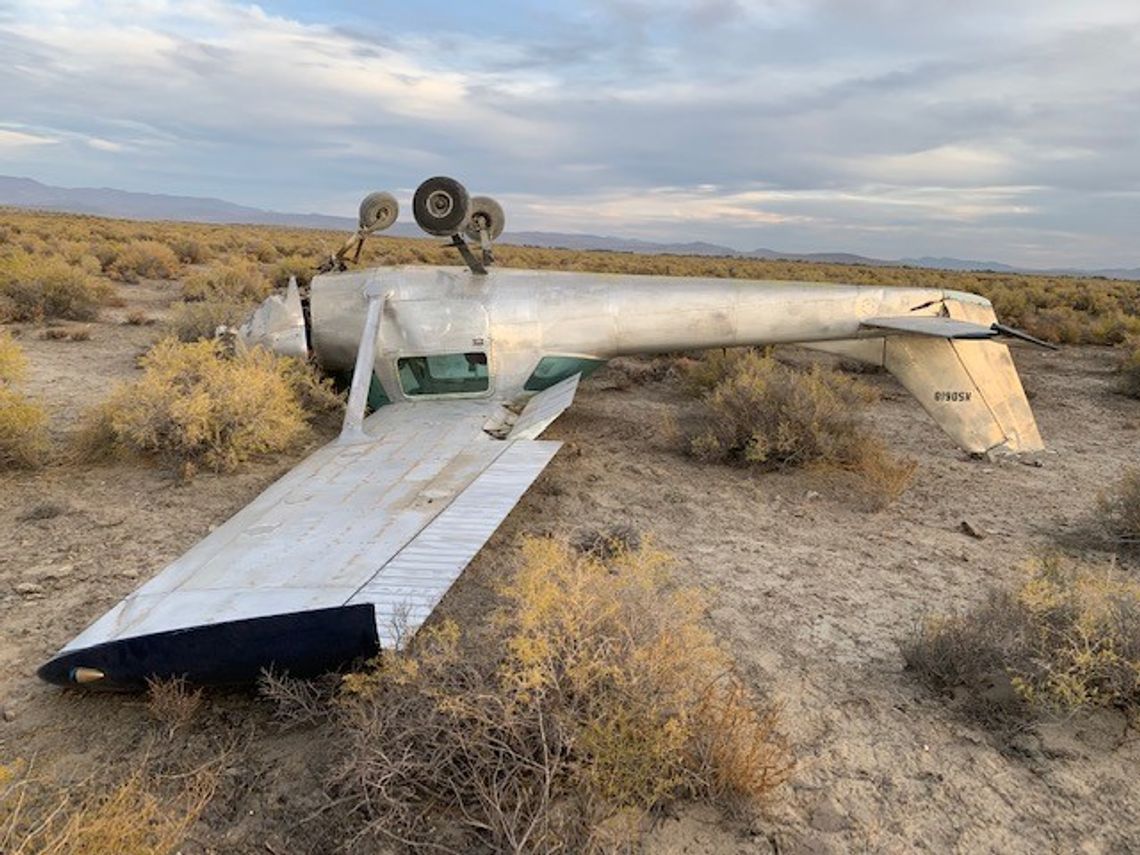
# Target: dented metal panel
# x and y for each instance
(544, 408)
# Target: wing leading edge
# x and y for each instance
(353, 547)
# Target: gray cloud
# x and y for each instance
(879, 127)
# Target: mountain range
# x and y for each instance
(109, 202)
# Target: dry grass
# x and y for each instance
(233, 282)
(144, 259)
(173, 703)
(759, 412)
(1120, 511)
(23, 423)
(13, 363)
(196, 407)
(139, 815)
(605, 699)
(35, 289)
(1065, 637)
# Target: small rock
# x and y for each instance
(811, 494)
(129, 573)
(972, 529)
(828, 817)
(9, 714)
(29, 588)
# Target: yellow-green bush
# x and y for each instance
(190, 250)
(13, 363)
(196, 321)
(763, 412)
(760, 412)
(195, 406)
(1065, 636)
(302, 268)
(235, 282)
(144, 259)
(601, 697)
(33, 289)
(23, 423)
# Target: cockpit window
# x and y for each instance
(446, 374)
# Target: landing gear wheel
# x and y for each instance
(441, 206)
(378, 211)
(487, 214)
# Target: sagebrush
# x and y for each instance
(37, 289)
(198, 406)
(232, 282)
(756, 411)
(1119, 508)
(1065, 636)
(602, 698)
(23, 422)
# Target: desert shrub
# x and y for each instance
(602, 697)
(1130, 369)
(23, 430)
(294, 265)
(23, 423)
(261, 250)
(1120, 510)
(195, 406)
(144, 259)
(235, 282)
(140, 814)
(1065, 637)
(760, 412)
(764, 412)
(172, 702)
(190, 250)
(32, 289)
(196, 321)
(13, 363)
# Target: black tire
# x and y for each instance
(485, 213)
(441, 206)
(378, 211)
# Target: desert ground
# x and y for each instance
(810, 590)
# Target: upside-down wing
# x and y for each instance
(340, 557)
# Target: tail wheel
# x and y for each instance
(441, 206)
(487, 214)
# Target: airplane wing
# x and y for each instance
(346, 554)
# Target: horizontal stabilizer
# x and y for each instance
(938, 327)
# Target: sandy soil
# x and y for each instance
(811, 592)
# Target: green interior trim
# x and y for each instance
(555, 369)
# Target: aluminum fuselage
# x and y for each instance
(519, 316)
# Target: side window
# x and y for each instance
(445, 374)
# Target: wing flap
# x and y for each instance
(408, 587)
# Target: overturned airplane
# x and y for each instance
(464, 367)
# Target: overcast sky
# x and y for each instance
(1001, 130)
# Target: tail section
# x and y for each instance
(968, 385)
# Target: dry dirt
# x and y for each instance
(811, 591)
